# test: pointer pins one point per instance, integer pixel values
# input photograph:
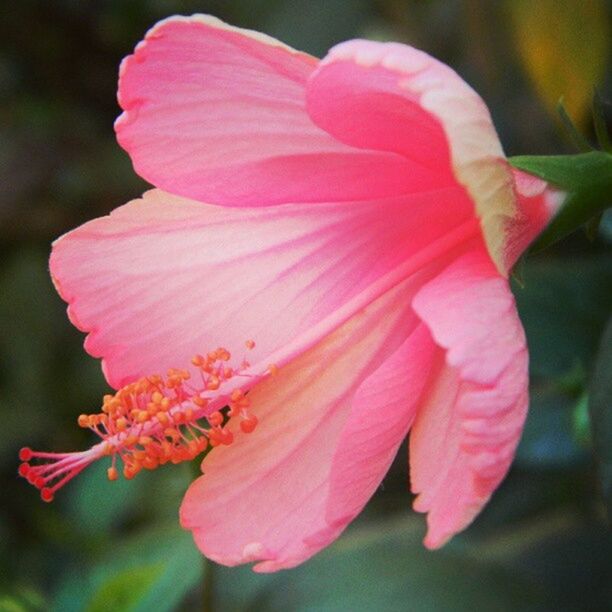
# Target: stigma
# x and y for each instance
(156, 420)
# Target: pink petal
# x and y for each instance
(383, 410)
(267, 497)
(164, 278)
(217, 113)
(395, 98)
(467, 430)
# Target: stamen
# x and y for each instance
(153, 421)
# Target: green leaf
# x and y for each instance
(383, 567)
(587, 179)
(162, 566)
(124, 591)
(600, 411)
(22, 600)
(564, 47)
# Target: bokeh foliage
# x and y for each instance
(542, 542)
(564, 46)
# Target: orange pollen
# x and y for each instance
(153, 421)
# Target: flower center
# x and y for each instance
(155, 420)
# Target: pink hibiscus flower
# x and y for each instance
(356, 218)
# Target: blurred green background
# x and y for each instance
(541, 544)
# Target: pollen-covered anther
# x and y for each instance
(153, 421)
(248, 423)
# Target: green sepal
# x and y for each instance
(587, 180)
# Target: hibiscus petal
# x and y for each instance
(383, 410)
(217, 113)
(392, 97)
(467, 430)
(267, 497)
(164, 278)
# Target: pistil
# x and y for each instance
(153, 421)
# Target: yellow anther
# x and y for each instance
(163, 418)
(215, 418)
(213, 383)
(249, 423)
(199, 401)
(142, 416)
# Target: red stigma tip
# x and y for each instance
(46, 494)
(24, 469)
(25, 454)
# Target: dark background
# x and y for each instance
(541, 543)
